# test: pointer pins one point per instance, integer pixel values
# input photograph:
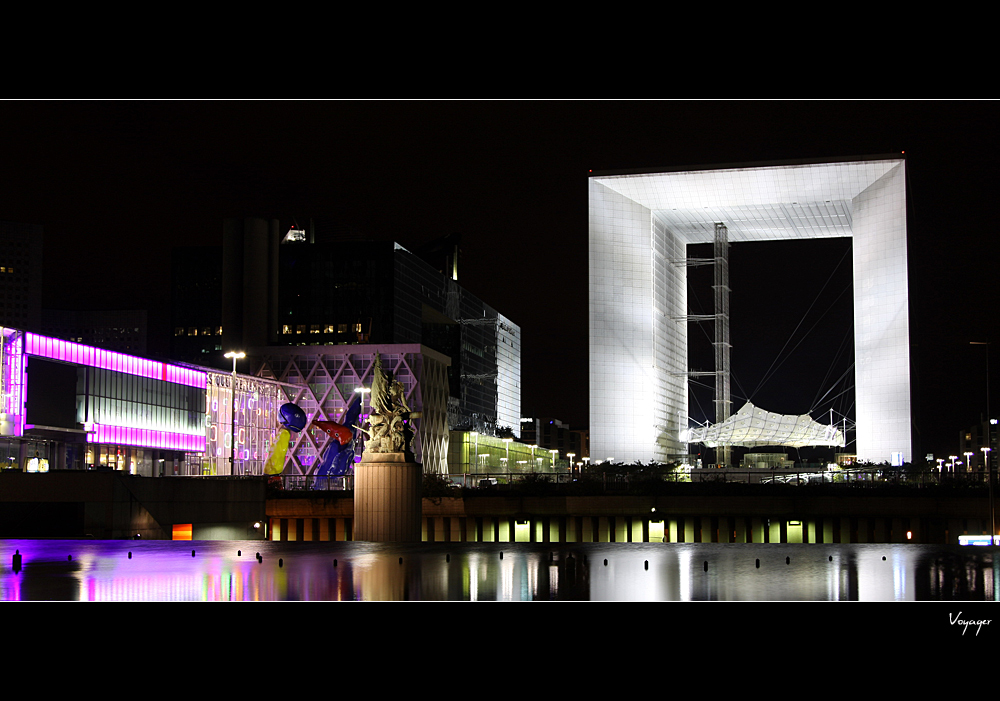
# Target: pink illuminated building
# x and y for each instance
(66, 405)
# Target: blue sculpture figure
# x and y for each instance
(339, 455)
(292, 417)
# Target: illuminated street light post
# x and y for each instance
(235, 355)
(968, 461)
(361, 415)
(475, 435)
(989, 473)
(571, 456)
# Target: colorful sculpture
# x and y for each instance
(292, 419)
(338, 458)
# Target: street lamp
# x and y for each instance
(989, 476)
(235, 355)
(475, 435)
(968, 461)
(361, 415)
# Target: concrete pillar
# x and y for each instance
(880, 531)
(387, 505)
(740, 530)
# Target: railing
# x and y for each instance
(322, 484)
(861, 477)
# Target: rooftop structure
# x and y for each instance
(640, 226)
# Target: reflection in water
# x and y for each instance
(83, 570)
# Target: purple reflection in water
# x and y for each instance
(88, 570)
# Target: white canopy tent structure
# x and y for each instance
(751, 426)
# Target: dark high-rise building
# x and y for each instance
(286, 289)
(972, 441)
(21, 275)
(196, 305)
(118, 330)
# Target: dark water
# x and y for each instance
(166, 571)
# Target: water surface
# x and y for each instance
(96, 570)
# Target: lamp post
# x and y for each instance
(361, 415)
(235, 355)
(571, 456)
(989, 476)
(475, 435)
(968, 461)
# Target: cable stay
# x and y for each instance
(773, 368)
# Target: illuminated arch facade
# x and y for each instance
(640, 226)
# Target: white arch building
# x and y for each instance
(640, 225)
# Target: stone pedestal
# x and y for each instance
(387, 506)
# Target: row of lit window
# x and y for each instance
(6, 269)
(195, 331)
(289, 329)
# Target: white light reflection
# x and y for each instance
(507, 579)
(684, 569)
(902, 585)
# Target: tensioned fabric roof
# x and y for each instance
(751, 426)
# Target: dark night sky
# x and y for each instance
(117, 184)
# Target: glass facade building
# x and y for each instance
(640, 226)
(66, 405)
(323, 379)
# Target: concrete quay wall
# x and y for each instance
(695, 519)
(108, 505)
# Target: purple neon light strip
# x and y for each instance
(67, 351)
(146, 437)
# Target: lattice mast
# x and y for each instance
(721, 344)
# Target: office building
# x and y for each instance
(21, 275)
(124, 331)
(971, 442)
(68, 406)
(323, 380)
(262, 288)
(640, 227)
